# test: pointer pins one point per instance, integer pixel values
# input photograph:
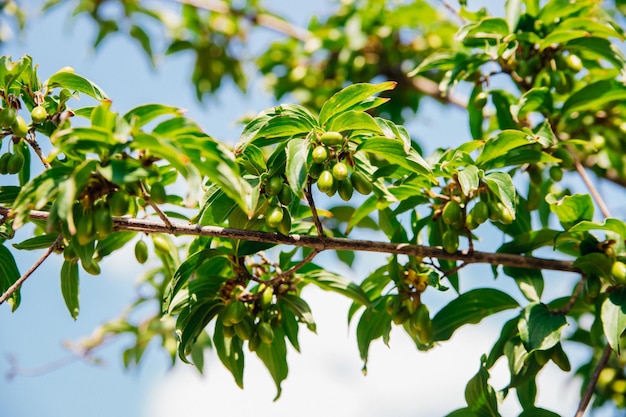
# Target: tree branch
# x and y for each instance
(584, 401)
(17, 284)
(332, 243)
(261, 19)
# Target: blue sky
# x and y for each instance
(326, 378)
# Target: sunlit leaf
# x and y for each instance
(296, 171)
(539, 328)
(571, 209)
(274, 356)
(9, 273)
(75, 82)
(69, 287)
(230, 352)
(470, 307)
(614, 317)
(350, 97)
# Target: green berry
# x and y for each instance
(158, 194)
(265, 331)
(450, 241)
(4, 162)
(141, 251)
(346, 189)
(360, 183)
(320, 154)
(326, 181)
(331, 138)
(15, 163)
(340, 171)
(19, 127)
(39, 114)
(274, 216)
(274, 186)
(618, 270)
(451, 213)
(118, 202)
(7, 117)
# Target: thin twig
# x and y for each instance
(454, 270)
(572, 300)
(297, 266)
(261, 19)
(584, 401)
(591, 385)
(154, 206)
(30, 139)
(17, 284)
(316, 218)
(331, 243)
(590, 186)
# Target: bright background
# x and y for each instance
(325, 378)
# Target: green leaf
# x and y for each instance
(9, 273)
(556, 10)
(353, 120)
(275, 125)
(501, 185)
(350, 97)
(509, 332)
(539, 328)
(375, 322)
(513, 11)
(538, 412)
(462, 412)
(300, 308)
(561, 36)
(470, 307)
(143, 38)
(144, 114)
(595, 263)
(393, 150)
(469, 179)
(361, 212)
(599, 48)
(37, 242)
(274, 356)
(595, 95)
(230, 352)
(538, 98)
(613, 316)
(329, 281)
(69, 287)
(296, 171)
(75, 82)
(191, 322)
(480, 396)
(8, 194)
(503, 101)
(112, 243)
(488, 29)
(184, 272)
(475, 113)
(501, 143)
(571, 209)
(610, 225)
(529, 281)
